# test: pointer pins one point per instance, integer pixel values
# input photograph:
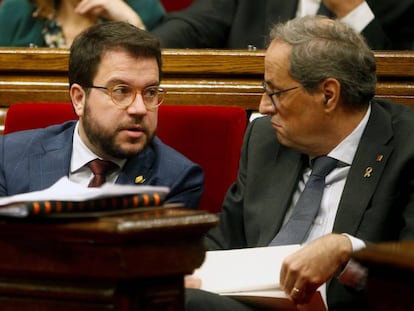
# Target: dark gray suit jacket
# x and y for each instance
(375, 209)
(235, 24)
(35, 159)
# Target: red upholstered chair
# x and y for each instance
(23, 116)
(209, 136)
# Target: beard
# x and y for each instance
(106, 140)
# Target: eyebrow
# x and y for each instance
(271, 85)
(117, 81)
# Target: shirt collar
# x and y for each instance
(345, 151)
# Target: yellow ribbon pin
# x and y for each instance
(139, 179)
(368, 172)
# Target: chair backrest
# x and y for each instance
(23, 116)
(209, 136)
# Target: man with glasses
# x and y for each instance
(114, 78)
(319, 86)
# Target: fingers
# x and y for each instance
(295, 295)
(312, 265)
(296, 283)
(101, 7)
(116, 10)
(298, 289)
(297, 286)
(91, 7)
(295, 292)
(301, 295)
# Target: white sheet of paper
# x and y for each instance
(66, 190)
(248, 269)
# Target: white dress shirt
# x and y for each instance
(344, 152)
(81, 155)
(358, 18)
(323, 223)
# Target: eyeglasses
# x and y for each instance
(124, 95)
(276, 93)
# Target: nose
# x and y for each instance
(137, 106)
(266, 106)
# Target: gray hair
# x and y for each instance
(323, 48)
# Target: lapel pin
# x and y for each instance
(379, 157)
(139, 179)
(368, 172)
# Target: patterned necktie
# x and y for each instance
(297, 228)
(100, 169)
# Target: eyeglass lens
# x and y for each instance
(124, 95)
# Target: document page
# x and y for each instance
(251, 275)
(243, 269)
(66, 190)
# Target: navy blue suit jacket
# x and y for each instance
(35, 159)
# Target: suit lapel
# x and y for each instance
(366, 170)
(46, 167)
(138, 170)
(283, 181)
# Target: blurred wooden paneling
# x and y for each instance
(191, 77)
(390, 275)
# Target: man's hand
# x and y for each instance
(116, 10)
(305, 270)
(341, 8)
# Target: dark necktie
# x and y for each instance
(323, 10)
(297, 228)
(100, 169)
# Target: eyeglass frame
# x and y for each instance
(276, 93)
(136, 90)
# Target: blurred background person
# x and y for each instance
(55, 23)
(240, 24)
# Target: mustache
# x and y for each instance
(132, 123)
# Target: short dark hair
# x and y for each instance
(89, 46)
(322, 49)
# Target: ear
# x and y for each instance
(78, 97)
(331, 89)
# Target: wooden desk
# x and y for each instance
(390, 283)
(133, 262)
